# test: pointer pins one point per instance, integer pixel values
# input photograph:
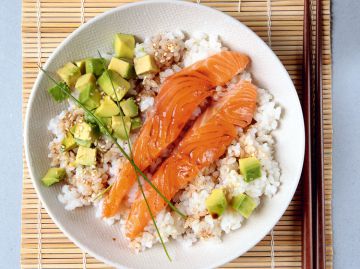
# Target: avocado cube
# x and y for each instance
(250, 168)
(86, 82)
(85, 95)
(84, 134)
(53, 176)
(86, 156)
(95, 66)
(121, 126)
(113, 85)
(145, 64)
(72, 129)
(89, 118)
(136, 123)
(83, 131)
(107, 122)
(69, 73)
(83, 143)
(243, 204)
(68, 143)
(216, 203)
(123, 67)
(129, 107)
(124, 46)
(92, 98)
(48, 181)
(56, 172)
(81, 65)
(107, 108)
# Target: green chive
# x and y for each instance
(152, 217)
(100, 123)
(66, 91)
(101, 194)
(137, 175)
(118, 103)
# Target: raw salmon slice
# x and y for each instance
(203, 144)
(178, 97)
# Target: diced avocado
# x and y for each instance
(72, 129)
(83, 131)
(107, 122)
(124, 46)
(81, 65)
(124, 68)
(68, 143)
(145, 64)
(95, 66)
(216, 203)
(93, 101)
(243, 204)
(86, 82)
(118, 126)
(113, 85)
(85, 95)
(89, 96)
(48, 181)
(89, 118)
(56, 172)
(136, 123)
(83, 143)
(53, 175)
(84, 134)
(250, 168)
(129, 107)
(107, 108)
(69, 73)
(86, 156)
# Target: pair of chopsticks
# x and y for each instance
(313, 172)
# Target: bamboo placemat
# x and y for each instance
(45, 23)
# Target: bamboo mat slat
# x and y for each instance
(45, 23)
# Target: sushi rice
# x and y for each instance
(173, 51)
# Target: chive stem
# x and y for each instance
(136, 168)
(118, 103)
(100, 123)
(131, 155)
(153, 218)
(102, 193)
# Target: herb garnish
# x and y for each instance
(137, 175)
(117, 102)
(57, 93)
(61, 92)
(102, 192)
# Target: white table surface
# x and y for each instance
(346, 100)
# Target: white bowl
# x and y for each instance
(144, 19)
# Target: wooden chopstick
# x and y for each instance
(307, 233)
(319, 147)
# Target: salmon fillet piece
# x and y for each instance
(203, 144)
(178, 98)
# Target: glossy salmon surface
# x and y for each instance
(203, 144)
(179, 96)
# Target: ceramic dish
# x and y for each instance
(144, 19)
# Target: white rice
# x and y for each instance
(146, 102)
(200, 46)
(256, 141)
(85, 183)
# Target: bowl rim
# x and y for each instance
(40, 77)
